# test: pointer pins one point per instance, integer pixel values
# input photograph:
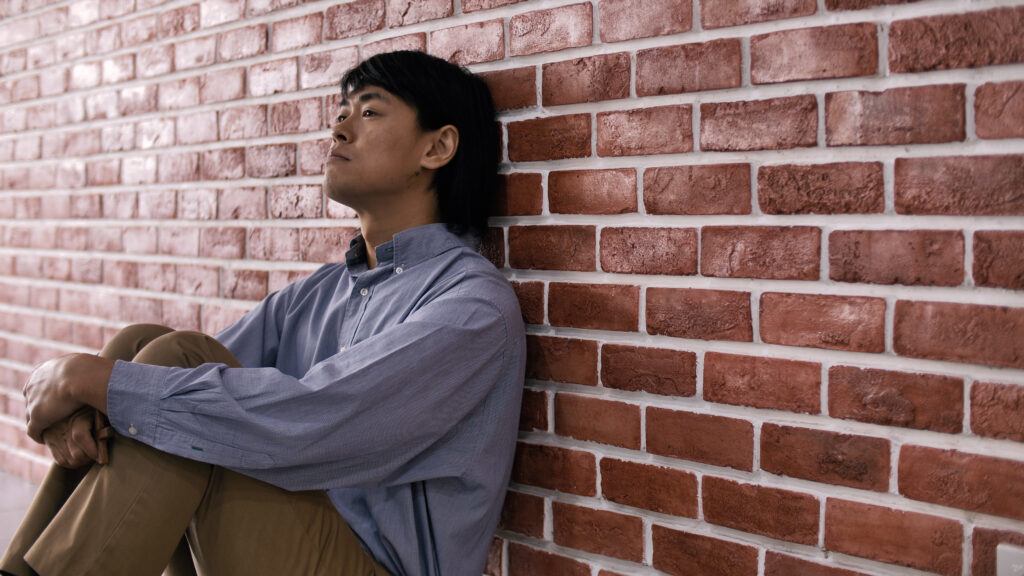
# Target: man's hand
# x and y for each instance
(58, 388)
(71, 441)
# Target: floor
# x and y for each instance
(15, 496)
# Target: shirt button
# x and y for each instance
(399, 270)
(364, 292)
(133, 430)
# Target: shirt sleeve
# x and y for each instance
(254, 338)
(368, 416)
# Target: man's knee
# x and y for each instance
(185, 349)
(132, 339)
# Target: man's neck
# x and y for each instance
(380, 229)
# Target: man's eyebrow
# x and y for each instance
(365, 97)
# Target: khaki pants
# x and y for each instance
(128, 517)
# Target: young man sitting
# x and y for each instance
(360, 421)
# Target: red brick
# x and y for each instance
(701, 314)
(775, 124)
(520, 194)
(819, 321)
(919, 115)
(771, 512)
(523, 513)
(957, 40)
(967, 481)
(514, 88)
(990, 335)
(222, 85)
(552, 247)
(406, 12)
(198, 280)
(776, 564)
(326, 68)
(242, 204)
(243, 122)
(999, 110)
(178, 167)
(245, 284)
(197, 204)
(712, 189)
(296, 116)
(223, 164)
(663, 490)
(296, 32)
(996, 410)
(595, 306)
(179, 21)
(706, 438)
(904, 538)
(197, 128)
(561, 359)
(999, 259)
(122, 205)
(598, 531)
(770, 383)
(761, 252)
(325, 244)
(469, 44)
(654, 370)
(570, 471)
(592, 191)
(180, 242)
(531, 301)
(178, 94)
(629, 19)
(138, 100)
(920, 401)
(922, 257)
(549, 138)
(154, 61)
(140, 30)
(118, 69)
(712, 65)
(968, 185)
(353, 19)
(296, 201)
(243, 42)
(475, 5)
(533, 414)
(590, 79)
(840, 188)
(195, 53)
(985, 543)
(258, 7)
(683, 554)
(227, 243)
(270, 160)
(829, 457)
(215, 12)
(312, 155)
(415, 42)
(273, 243)
(155, 133)
(721, 13)
(86, 206)
(524, 561)
(217, 318)
(657, 130)
(272, 77)
(825, 52)
(597, 420)
(551, 30)
(492, 245)
(649, 250)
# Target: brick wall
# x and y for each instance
(770, 251)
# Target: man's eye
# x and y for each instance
(340, 118)
(367, 113)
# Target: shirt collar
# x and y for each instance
(408, 247)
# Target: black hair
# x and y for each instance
(443, 93)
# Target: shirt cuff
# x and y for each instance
(132, 396)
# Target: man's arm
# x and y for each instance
(58, 388)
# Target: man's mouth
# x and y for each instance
(338, 155)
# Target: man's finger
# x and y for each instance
(82, 438)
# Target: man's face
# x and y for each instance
(376, 149)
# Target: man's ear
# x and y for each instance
(443, 145)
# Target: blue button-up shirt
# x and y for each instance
(395, 389)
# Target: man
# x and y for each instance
(386, 388)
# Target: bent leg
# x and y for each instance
(126, 517)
